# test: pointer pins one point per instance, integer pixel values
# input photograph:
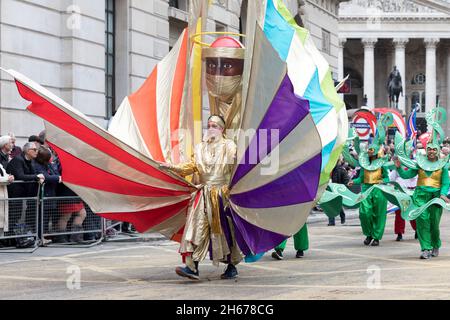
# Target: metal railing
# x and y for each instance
(31, 222)
(18, 215)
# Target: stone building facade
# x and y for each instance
(94, 53)
(376, 35)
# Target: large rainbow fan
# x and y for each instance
(290, 95)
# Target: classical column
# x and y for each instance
(341, 74)
(369, 70)
(430, 73)
(400, 44)
(447, 104)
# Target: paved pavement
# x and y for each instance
(337, 266)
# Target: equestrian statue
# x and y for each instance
(394, 87)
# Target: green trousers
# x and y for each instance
(301, 241)
(428, 222)
(372, 214)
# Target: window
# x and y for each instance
(419, 79)
(326, 41)
(173, 3)
(243, 20)
(220, 27)
(179, 4)
(176, 28)
(423, 102)
(109, 58)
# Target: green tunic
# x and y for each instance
(428, 222)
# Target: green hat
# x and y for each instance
(385, 121)
(435, 118)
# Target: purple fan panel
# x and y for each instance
(252, 239)
(284, 113)
(297, 186)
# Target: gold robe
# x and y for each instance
(211, 165)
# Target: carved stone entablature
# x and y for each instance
(387, 6)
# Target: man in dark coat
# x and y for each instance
(21, 167)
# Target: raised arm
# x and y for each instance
(184, 169)
(405, 172)
(358, 180)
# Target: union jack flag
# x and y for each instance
(412, 128)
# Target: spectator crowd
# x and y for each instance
(23, 172)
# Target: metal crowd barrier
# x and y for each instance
(19, 218)
(69, 221)
(53, 221)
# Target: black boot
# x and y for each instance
(331, 222)
(299, 254)
(399, 237)
(342, 215)
(368, 241)
(230, 272)
(187, 273)
(196, 265)
(277, 254)
(375, 243)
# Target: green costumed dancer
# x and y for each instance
(373, 163)
(433, 182)
(301, 244)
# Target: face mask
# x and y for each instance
(223, 87)
(212, 133)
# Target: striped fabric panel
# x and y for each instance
(153, 113)
(313, 83)
(166, 87)
(149, 220)
(262, 202)
(278, 31)
(282, 157)
(286, 221)
(125, 117)
(176, 102)
(299, 59)
(150, 201)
